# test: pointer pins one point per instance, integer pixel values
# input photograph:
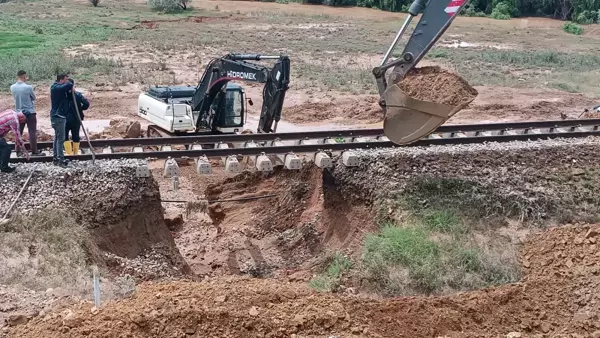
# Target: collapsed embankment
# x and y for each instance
(123, 212)
(482, 194)
(69, 219)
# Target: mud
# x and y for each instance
(436, 85)
(557, 296)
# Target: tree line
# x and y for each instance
(579, 11)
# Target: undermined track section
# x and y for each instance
(317, 146)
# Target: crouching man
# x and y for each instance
(73, 123)
(10, 120)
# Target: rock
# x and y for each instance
(17, 319)
(221, 299)
(253, 311)
(71, 321)
(514, 335)
(596, 334)
(134, 130)
(591, 233)
(545, 327)
(355, 330)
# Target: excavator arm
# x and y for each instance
(236, 67)
(406, 119)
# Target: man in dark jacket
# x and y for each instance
(73, 124)
(59, 98)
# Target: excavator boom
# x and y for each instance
(407, 119)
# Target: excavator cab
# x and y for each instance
(408, 119)
(228, 108)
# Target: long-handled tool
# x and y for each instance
(17, 198)
(82, 127)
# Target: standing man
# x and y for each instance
(9, 121)
(25, 102)
(59, 98)
(73, 123)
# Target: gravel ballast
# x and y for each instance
(543, 179)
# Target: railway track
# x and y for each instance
(321, 144)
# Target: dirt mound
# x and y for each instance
(365, 110)
(41, 136)
(436, 85)
(120, 128)
(557, 296)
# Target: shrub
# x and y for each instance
(501, 12)
(585, 17)
(95, 2)
(169, 5)
(572, 28)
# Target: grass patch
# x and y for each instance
(10, 41)
(36, 48)
(328, 280)
(48, 249)
(412, 259)
(44, 67)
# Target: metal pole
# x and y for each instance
(19, 195)
(396, 39)
(82, 127)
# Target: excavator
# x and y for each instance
(216, 106)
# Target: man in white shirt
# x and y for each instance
(25, 102)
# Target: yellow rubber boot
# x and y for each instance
(68, 148)
(76, 148)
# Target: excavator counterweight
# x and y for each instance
(408, 119)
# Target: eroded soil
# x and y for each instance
(297, 216)
(556, 296)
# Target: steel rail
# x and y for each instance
(212, 139)
(298, 149)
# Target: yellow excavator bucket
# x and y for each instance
(407, 119)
